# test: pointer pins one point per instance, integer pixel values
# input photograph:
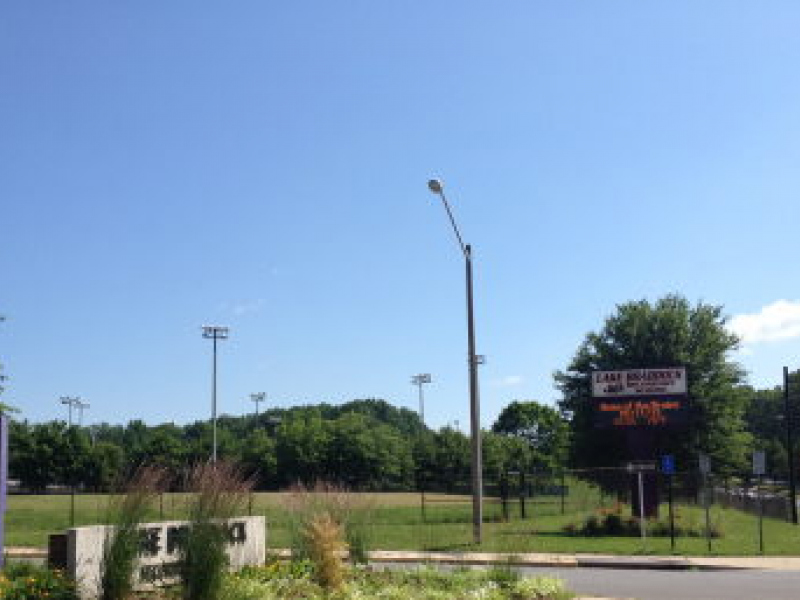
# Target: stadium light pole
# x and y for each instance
(258, 398)
(70, 401)
(419, 381)
(214, 333)
(81, 406)
(436, 187)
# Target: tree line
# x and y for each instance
(363, 444)
(370, 444)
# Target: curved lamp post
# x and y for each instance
(435, 186)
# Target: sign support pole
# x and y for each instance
(642, 525)
(671, 514)
(708, 515)
(760, 517)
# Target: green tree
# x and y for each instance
(259, 459)
(451, 462)
(302, 447)
(4, 408)
(765, 420)
(541, 427)
(670, 332)
(103, 467)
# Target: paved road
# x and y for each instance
(689, 585)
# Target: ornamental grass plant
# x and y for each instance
(218, 491)
(126, 513)
(352, 512)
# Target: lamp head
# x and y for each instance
(435, 185)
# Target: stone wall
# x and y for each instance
(159, 551)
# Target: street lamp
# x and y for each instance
(214, 332)
(437, 188)
(257, 398)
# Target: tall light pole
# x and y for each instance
(419, 381)
(70, 401)
(437, 188)
(257, 398)
(214, 333)
(81, 406)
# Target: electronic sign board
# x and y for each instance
(640, 398)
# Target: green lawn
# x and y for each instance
(396, 523)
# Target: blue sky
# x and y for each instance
(263, 165)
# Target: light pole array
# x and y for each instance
(437, 188)
(258, 398)
(214, 333)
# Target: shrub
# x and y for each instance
(612, 522)
(25, 582)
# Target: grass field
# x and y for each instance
(396, 523)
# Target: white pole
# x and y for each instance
(642, 526)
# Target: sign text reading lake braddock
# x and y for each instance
(639, 382)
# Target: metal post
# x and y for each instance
(214, 403)
(642, 525)
(563, 491)
(435, 186)
(706, 501)
(474, 404)
(214, 333)
(760, 517)
(522, 493)
(790, 446)
(419, 381)
(671, 514)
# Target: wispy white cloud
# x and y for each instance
(247, 306)
(777, 321)
(509, 381)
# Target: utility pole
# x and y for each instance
(214, 333)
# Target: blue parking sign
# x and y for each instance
(668, 464)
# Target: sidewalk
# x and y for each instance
(607, 561)
(603, 561)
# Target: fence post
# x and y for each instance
(563, 490)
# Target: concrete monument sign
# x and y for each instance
(159, 551)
